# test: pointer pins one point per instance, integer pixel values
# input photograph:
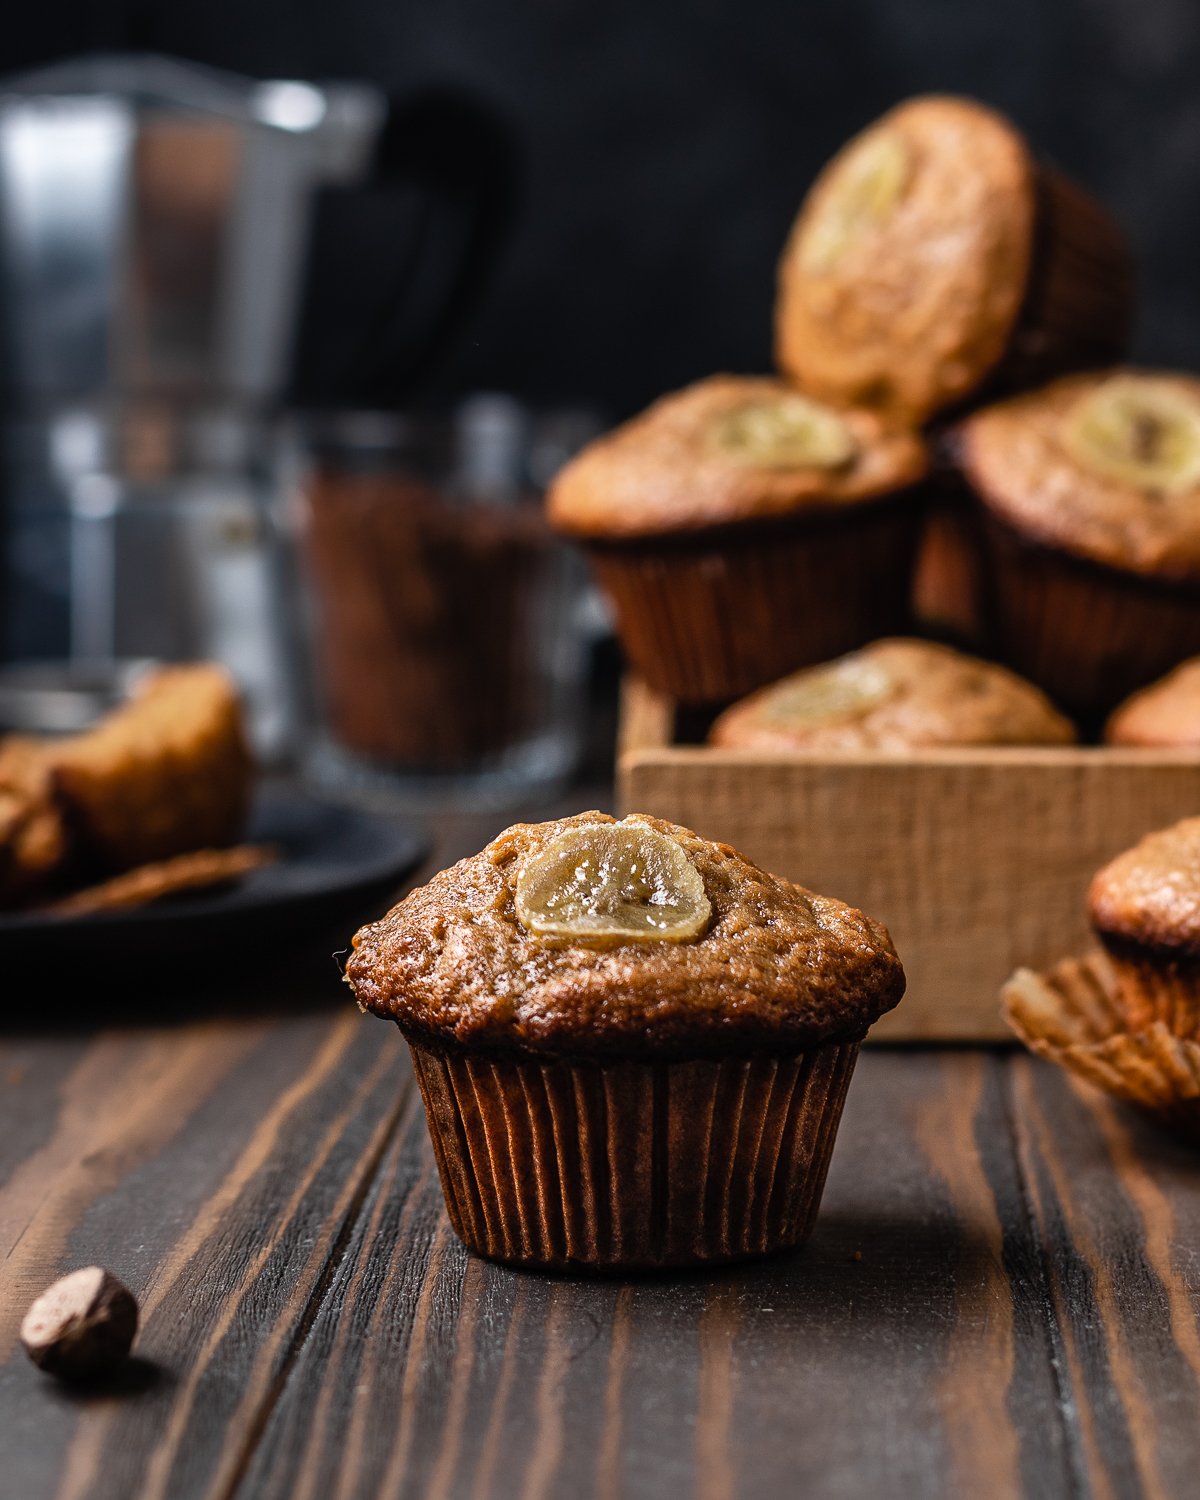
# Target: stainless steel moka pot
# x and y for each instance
(154, 225)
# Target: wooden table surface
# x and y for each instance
(1001, 1296)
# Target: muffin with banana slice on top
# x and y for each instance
(934, 258)
(742, 529)
(632, 1044)
(894, 696)
(1090, 492)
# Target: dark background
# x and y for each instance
(664, 149)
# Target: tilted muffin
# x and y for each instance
(894, 695)
(1091, 496)
(1145, 908)
(741, 529)
(934, 257)
(632, 1044)
(1166, 714)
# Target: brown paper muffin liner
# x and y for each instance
(1153, 984)
(709, 618)
(563, 1166)
(948, 592)
(1079, 303)
(1072, 1015)
(1087, 634)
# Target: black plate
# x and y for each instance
(338, 867)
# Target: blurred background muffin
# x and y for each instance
(1165, 714)
(933, 258)
(1090, 490)
(894, 695)
(740, 529)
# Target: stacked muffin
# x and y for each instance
(940, 293)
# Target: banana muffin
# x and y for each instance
(1090, 492)
(1145, 909)
(934, 257)
(632, 1044)
(1166, 714)
(741, 529)
(894, 695)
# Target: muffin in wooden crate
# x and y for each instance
(741, 529)
(894, 695)
(1165, 715)
(1090, 490)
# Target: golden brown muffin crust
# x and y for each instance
(1167, 713)
(1151, 894)
(894, 695)
(915, 312)
(777, 969)
(662, 473)
(33, 842)
(1018, 459)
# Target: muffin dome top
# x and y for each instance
(1103, 465)
(1151, 893)
(1167, 713)
(907, 266)
(731, 448)
(894, 695)
(772, 968)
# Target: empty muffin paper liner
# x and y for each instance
(604, 1167)
(709, 617)
(1074, 1016)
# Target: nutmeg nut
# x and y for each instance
(82, 1326)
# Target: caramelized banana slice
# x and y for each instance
(784, 432)
(608, 883)
(863, 189)
(1140, 432)
(844, 689)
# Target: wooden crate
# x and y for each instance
(977, 860)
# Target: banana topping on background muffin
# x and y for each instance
(933, 255)
(632, 1044)
(1089, 492)
(1104, 466)
(894, 695)
(742, 529)
(728, 449)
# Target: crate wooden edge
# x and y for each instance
(652, 773)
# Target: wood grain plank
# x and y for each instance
(813, 1373)
(1118, 1215)
(217, 1173)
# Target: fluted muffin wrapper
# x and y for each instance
(604, 1167)
(1153, 984)
(1075, 1015)
(1087, 634)
(948, 571)
(710, 617)
(1079, 302)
